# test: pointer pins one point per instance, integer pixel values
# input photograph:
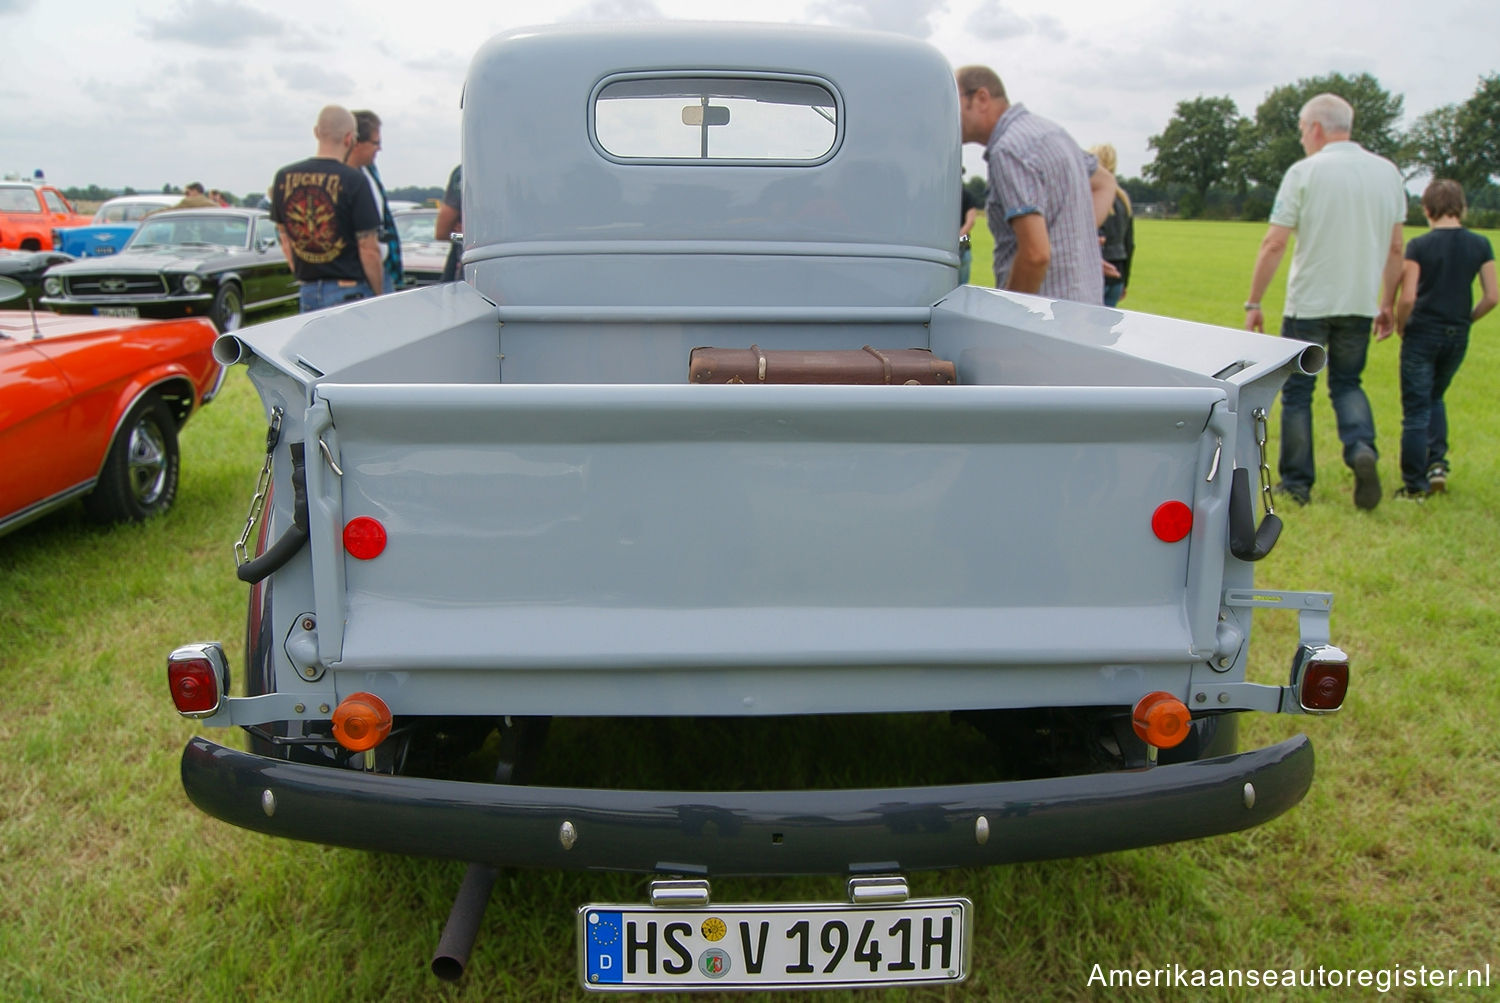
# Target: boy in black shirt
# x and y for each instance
(1433, 318)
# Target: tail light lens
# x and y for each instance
(1320, 677)
(198, 678)
(361, 721)
(1172, 521)
(364, 538)
(1162, 720)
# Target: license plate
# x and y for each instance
(117, 311)
(750, 946)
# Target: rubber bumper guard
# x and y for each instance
(748, 832)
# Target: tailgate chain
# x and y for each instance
(262, 485)
(1261, 434)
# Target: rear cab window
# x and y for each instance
(710, 118)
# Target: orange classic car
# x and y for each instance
(29, 213)
(90, 408)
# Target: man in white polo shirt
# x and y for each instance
(1346, 206)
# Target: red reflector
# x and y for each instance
(361, 721)
(194, 686)
(1162, 720)
(1172, 521)
(364, 538)
(1324, 685)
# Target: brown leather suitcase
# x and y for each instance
(857, 366)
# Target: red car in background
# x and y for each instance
(29, 213)
(90, 407)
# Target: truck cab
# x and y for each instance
(29, 213)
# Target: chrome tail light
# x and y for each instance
(1320, 678)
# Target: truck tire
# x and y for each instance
(228, 311)
(139, 476)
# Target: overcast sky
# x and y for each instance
(225, 91)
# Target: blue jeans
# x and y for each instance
(965, 262)
(1347, 340)
(1429, 358)
(328, 292)
(1113, 290)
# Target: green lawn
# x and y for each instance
(112, 887)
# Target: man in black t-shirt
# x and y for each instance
(1433, 318)
(327, 220)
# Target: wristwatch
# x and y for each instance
(1251, 305)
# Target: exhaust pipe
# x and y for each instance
(462, 927)
(519, 740)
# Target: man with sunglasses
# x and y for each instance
(362, 155)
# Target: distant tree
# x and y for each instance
(1433, 145)
(1194, 149)
(1276, 139)
(414, 193)
(93, 193)
(977, 187)
(1479, 129)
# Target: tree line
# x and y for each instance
(1213, 161)
(94, 194)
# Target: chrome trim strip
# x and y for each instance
(36, 510)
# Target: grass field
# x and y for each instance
(112, 887)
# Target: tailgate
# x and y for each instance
(598, 529)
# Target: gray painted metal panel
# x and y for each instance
(899, 137)
(596, 527)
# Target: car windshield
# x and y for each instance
(163, 231)
(415, 227)
(18, 200)
(125, 212)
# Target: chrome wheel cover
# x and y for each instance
(232, 314)
(147, 462)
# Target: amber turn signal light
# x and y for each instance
(1162, 720)
(361, 721)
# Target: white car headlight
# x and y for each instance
(191, 283)
(53, 285)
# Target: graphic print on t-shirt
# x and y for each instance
(311, 218)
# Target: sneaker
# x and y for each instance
(1366, 479)
(1410, 495)
(1296, 494)
(1437, 479)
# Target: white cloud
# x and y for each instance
(314, 78)
(994, 21)
(214, 24)
(615, 10)
(906, 17)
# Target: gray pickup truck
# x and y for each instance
(494, 503)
